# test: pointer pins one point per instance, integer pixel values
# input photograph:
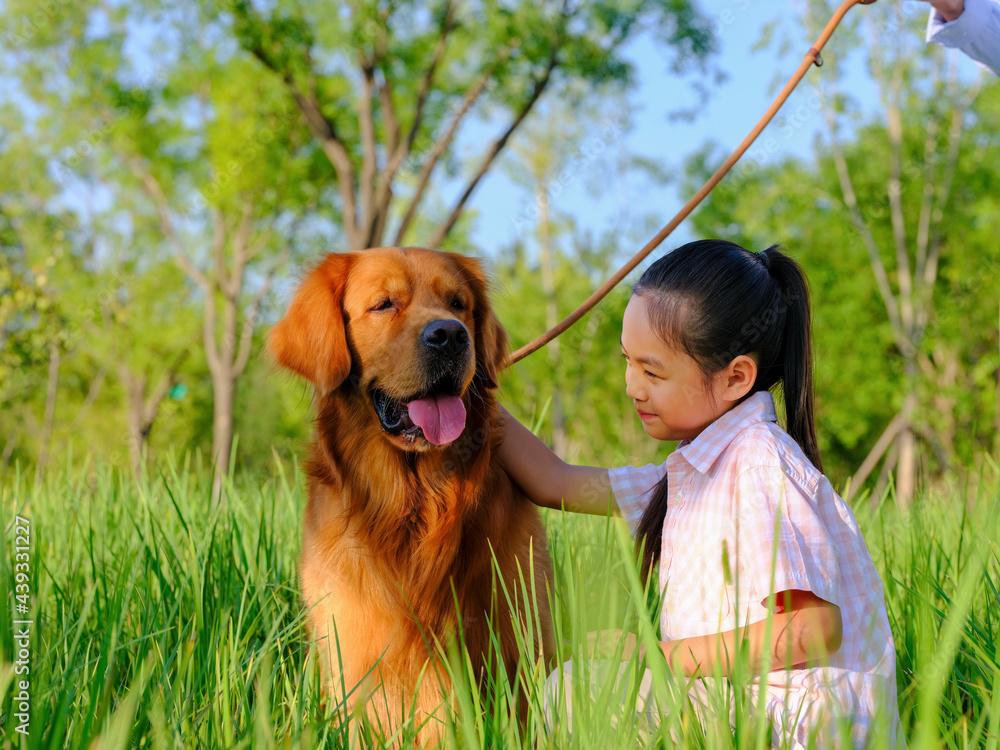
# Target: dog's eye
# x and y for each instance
(383, 305)
(456, 303)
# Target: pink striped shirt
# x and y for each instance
(743, 493)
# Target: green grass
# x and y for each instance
(159, 623)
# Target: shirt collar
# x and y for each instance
(714, 439)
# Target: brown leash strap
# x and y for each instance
(812, 58)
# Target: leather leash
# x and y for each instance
(812, 57)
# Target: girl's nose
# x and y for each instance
(632, 386)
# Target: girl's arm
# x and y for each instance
(548, 480)
(807, 631)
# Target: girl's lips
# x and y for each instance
(644, 415)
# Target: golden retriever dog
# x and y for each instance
(406, 505)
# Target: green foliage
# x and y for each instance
(859, 373)
(26, 328)
(175, 147)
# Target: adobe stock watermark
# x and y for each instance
(245, 153)
(427, 151)
(590, 150)
(888, 25)
(773, 143)
(752, 332)
(72, 157)
(728, 16)
(29, 26)
(22, 625)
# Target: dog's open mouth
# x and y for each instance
(438, 415)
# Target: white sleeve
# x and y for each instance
(784, 541)
(633, 489)
(976, 32)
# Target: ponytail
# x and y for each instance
(796, 354)
(715, 300)
(649, 533)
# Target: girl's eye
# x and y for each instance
(383, 305)
(651, 376)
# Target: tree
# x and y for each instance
(902, 192)
(30, 339)
(917, 190)
(35, 328)
(384, 86)
(551, 141)
(201, 156)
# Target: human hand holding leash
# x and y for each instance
(949, 10)
(972, 26)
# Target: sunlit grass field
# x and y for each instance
(158, 622)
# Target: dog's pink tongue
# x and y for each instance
(442, 418)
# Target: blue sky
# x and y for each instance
(733, 107)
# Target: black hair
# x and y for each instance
(714, 300)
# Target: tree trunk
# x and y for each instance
(50, 409)
(942, 372)
(885, 474)
(92, 392)
(143, 410)
(227, 357)
(907, 440)
(135, 387)
(223, 396)
(887, 439)
(8, 451)
(559, 441)
(996, 411)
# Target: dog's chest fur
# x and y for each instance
(410, 540)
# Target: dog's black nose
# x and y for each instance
(447, 337)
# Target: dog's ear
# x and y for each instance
(491, 338)
(311, 339)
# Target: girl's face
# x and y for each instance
(666, 386)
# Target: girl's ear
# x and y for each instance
(491, 339)
(738, 378)
(311, 339)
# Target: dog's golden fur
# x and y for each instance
(397, 530)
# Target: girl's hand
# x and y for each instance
(949, 10)
(603, 644)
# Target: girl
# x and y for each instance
(709, 330)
